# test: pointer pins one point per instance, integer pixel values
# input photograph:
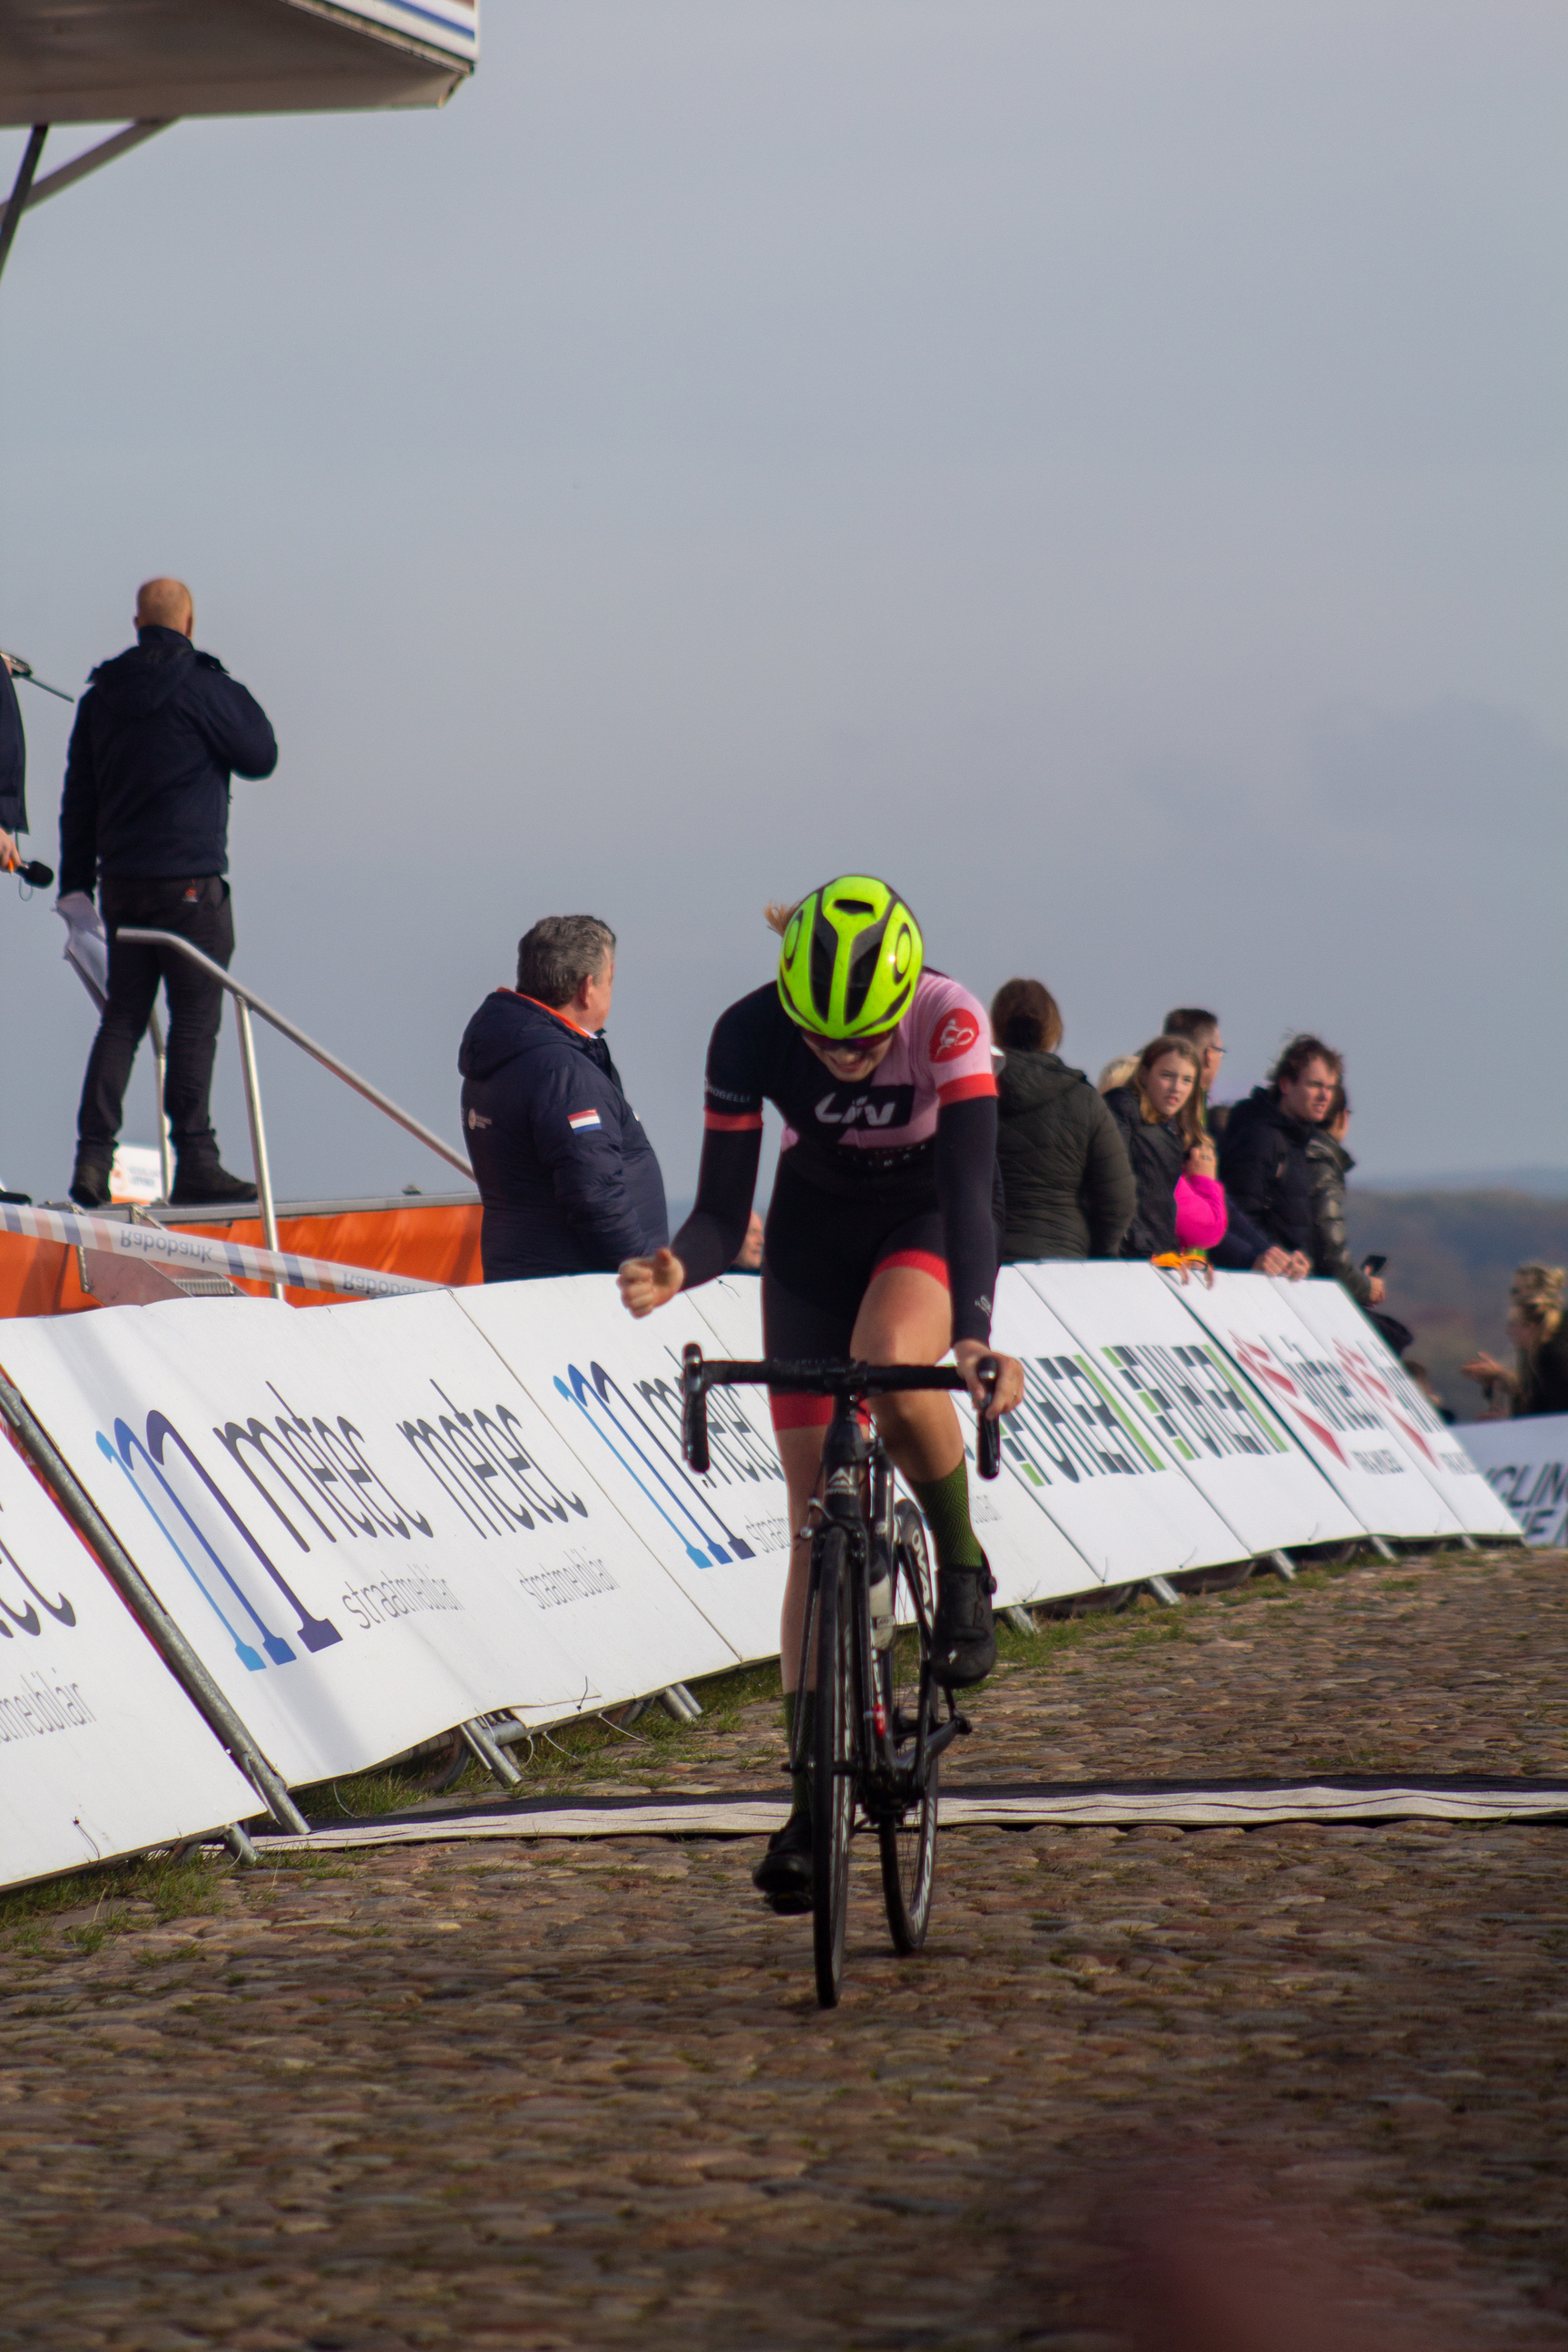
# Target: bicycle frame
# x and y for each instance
(857, 1496)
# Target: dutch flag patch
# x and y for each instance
(580, 1120)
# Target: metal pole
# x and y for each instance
(21, 191)
(66, 177)
(476, 1738)
(1283, 1565)
(148, 1610)
(258, 1132)
(160, 1067)
(297, 1036)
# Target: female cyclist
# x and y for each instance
(882, 1235)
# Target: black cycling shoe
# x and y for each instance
(784, 1874)
(964, 1639)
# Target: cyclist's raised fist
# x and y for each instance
(649, 1282)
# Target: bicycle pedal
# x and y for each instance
(963, 1725)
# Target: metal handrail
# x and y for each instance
(246, 1002)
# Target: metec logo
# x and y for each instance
(958, 1032)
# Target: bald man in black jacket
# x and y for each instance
(158, 735)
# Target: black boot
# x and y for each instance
(90, 1183)
(964, 1639)
(784, 1874)
(201, 1176)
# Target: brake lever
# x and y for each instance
(988, 1432)
(693, 1410)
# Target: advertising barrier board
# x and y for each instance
(1086, 1465)
(610, 1388)
(1188, 1398)
(1525, 1464)
(101, 1753)
(346, 1555)
(1373, 1370)
(1343, 1429)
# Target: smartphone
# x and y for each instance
(1373, 1265)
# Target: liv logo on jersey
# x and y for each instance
(580, 1120)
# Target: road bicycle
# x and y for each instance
(880, 1729)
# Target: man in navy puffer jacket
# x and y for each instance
(568, 1178)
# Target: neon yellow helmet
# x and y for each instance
(851, 956)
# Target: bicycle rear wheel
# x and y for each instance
(908, 1840)
(832, 1779)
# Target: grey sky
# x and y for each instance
(1100, 464)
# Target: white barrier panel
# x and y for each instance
(606, 1598)
(1359, 1453)
(610, 1388)
(1189, 1400)
(1373, 1370)
(1525, 1464)
(1081, 1459)
(345, 1552)
(101, 1753)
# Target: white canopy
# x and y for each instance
(155, 61)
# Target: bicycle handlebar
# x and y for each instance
(834, 1379)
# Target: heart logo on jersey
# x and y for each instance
(958, 1032)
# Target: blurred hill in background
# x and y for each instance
(1450, 1256)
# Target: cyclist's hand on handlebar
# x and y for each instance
(649, 1282)
(969, 1355)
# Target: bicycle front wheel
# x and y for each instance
(833, 1778)
(908, 1838)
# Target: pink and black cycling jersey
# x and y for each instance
(919, 1135)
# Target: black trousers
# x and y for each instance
(199, 912)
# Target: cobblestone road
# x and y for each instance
(581, 2097)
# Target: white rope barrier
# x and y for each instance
(193, 1254)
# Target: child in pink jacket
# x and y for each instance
(1200, 1201)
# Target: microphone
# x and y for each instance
(36, 873)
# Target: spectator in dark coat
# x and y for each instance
(1535, 1324)
(1065, 1173)
(159, 734)
(1263, 1160)
(568, 1179)
(13, 772)
(1330, 1164)
(1157, 1113)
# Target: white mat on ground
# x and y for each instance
(1188, 1398)
(1179, 1807)
(1525, 1463)
(1346, 1432)
(101, 1751)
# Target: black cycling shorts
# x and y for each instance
(819, 1255)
